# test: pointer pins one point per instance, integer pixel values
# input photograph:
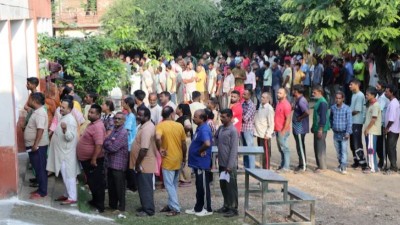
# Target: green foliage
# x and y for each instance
(163, 25)
(332, 26)
(248, 23)
(88, 60)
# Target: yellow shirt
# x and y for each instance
(201, 82)
(172, 136)
(298, 77)
(77, 106)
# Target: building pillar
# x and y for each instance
(8, 143)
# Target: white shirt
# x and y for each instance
(155, 113)
(161, 79)
(135, 82)
(229, 83)
(264, 121)
(190, 87)
(212, 81)
(251, 79)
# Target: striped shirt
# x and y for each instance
(341, 119)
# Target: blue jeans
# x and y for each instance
(171, 178)
(283, 149)
(248, 140)
(374, 156)
(341, 148)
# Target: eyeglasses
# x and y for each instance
(117, 118)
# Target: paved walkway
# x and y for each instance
(23, 211)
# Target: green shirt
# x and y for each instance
(359, 66)
(317, 118)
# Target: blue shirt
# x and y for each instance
(306, 70)
(130, 125)
(341, 119)
(350, 74)
(300, 107)
(276, 78)
(203, 134)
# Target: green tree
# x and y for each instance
(248, 23)
(88, 60)
(331, 27)
(164, 25)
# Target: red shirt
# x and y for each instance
(93, 135)
(282, 112)
(237, 111)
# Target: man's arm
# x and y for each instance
(233, 152)
(39, 135)
(184, 150)
(141, 155)
(95, 154)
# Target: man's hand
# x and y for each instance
(266, 137)
(347, 136)
(63, 127)
(35, 148)
(366, 132)
(137, 168)
(163, 152)
(203, 154)
(228, 170)
(386, 130)
(319, 135)
(93, 162)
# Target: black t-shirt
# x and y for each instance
(260, 75)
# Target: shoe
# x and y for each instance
(343, 171)
(50, 175)
(318, 170)
(190, 211)
(355, 165)
(204, 213)
(68, 202)
(231, 213)
(142, 214)
(300, 169)
(34, 185)
(35, 196)
(33, 192)
(33, 180)
(222, 210)
(140, 209)
(173, 213)
(61, 199)
(165, 209)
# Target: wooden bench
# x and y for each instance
(291, 196)
(296, 194)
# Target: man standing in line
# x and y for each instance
(62, 152)
(240, 76)
(276, 82)
(36, 139)
(171, 82)
(359, 68)
(227, 87)
(358, 111)
(282, 126)
(383, 103)
(155, 109)
(227, 140)
(200, 162)
(392, 127)
(300, 125)
(267, 78)
(237, 110)
(320, 127)
(264, 127)
(196, 105)
(372, 128)
(287, 76)
(171, 143)
(116, 153)
(91, 157)
(143, 161)
(341, 122)
(165, 100)
(212, 80)
(139, 99)
(249, 111)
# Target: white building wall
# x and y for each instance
(19, 60)
(7, 119)
(14, 9)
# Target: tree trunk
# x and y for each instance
(381, 53)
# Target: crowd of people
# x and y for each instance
(178, 110)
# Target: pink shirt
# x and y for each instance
(94, 135)
(282, 112)
(237, 111)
